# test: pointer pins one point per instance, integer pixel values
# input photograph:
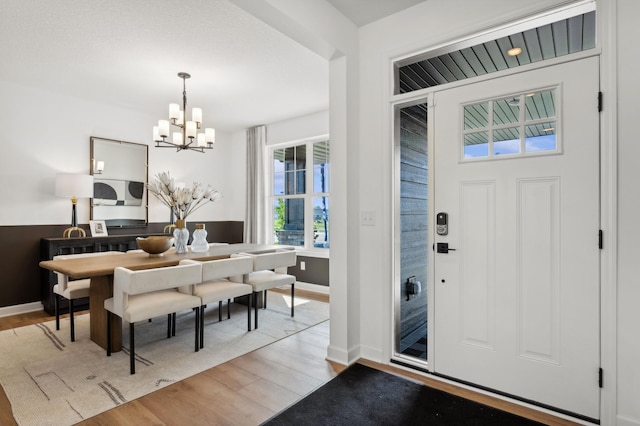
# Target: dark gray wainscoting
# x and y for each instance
(20, 253)
(316, 270)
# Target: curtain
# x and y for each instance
(255, 224)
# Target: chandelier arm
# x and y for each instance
(168, 144)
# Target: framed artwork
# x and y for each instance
(98, 228)
(110, 192)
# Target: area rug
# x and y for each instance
(50, 380)
(361, 395)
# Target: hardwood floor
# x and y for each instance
(252, 388)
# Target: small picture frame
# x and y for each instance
(98, 228)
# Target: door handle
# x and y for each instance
(443, 248)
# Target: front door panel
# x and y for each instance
(517, 300)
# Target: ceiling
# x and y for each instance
(363, 12)
(128, 53)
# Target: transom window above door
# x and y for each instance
(568, 31)
(516, 125)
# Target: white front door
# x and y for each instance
(517, 302)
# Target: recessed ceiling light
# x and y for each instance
(515, 51)
(549, 129)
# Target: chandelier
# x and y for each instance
(186, 136)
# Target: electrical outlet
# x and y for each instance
(303, 265)
(368, 218)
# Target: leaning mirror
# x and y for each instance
(119, 172)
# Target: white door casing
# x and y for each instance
(516, 306)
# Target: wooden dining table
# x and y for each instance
(100, 271)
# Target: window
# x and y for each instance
(502, 127)
(301, 195)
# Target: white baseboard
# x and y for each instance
(371, 353)
(21, 309)
(627, 421)
(341, 356)
(312, 287)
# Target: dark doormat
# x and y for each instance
(361, 395)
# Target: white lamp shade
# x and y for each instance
(71, 185)
(177, 138)
(196, 115)
(192, 129)
(174, 111)
(163, 128)
(210, 135)
(201, 140)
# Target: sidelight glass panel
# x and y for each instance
(411, 291)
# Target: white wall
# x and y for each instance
(628, 318)
(298, 128)
(44, 133)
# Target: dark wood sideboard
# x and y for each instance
(50, 247)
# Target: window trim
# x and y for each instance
(308, 249)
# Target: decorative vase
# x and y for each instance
(199, 243)
(181, 235)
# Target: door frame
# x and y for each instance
(608, 210)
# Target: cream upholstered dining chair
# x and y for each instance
(270, 271)
(73, 289)
(218, 284)
(145, 294)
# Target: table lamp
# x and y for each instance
(74, 186)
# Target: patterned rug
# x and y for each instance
(51, 381)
